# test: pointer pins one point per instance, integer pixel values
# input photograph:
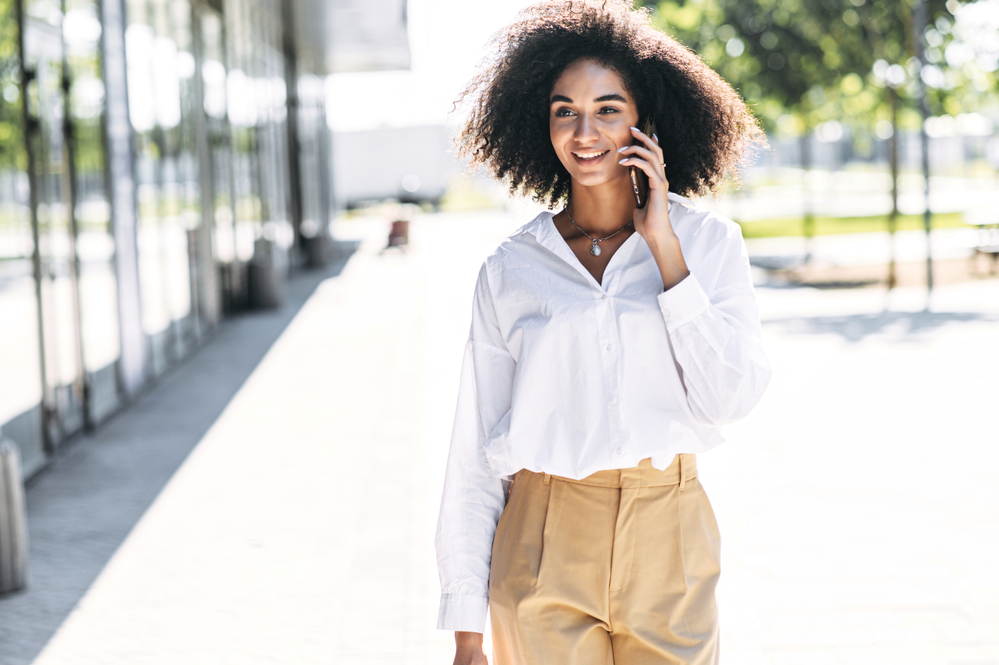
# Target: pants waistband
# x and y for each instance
(682, 469)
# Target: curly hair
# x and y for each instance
(704, 125)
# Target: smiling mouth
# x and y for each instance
(590, 157)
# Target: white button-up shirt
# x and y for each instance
(566, 376)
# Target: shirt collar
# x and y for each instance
(544, 231)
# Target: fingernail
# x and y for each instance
(655, 137)
(635, 128)
(623, 160)
(622, 148)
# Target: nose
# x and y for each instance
(585, 129)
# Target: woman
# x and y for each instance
(608, 342)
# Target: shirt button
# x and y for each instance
(610, 347)
(605, 296)
(665, 312)
(611, 400)
(619, 451)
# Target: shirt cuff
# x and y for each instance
(685, 301)
(463, 612)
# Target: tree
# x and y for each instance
(799, 63)
(12, 156)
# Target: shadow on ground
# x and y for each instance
(84, 505)
(856, 327)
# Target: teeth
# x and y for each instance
(590, 155)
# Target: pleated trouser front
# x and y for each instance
(619, 567)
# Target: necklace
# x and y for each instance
(595, 248)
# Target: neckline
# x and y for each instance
(561, 248)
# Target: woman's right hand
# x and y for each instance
(468, 649)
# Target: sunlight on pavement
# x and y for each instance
(857, 503)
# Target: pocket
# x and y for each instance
(701, 545)
(701, 538)
(519, 542)
(547, 525)
(710, 523)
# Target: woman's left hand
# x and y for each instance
(652, 222)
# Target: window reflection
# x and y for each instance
(257, 112)
(52, 186)
(219, 135)
(94, 244)
(205, 131)
(21, 387)
(161, 70)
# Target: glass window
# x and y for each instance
(21, 387)
(257, 112)
(52, 186)
(95, 244)
(162, 106)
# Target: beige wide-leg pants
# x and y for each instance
(619, 567)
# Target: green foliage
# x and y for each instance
(965, 81)
(802, 62)
(86, 117)
(12, 155)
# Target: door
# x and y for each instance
(55, 264)
(161, 93)
(217, 168)
(20, 353)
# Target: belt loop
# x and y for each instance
(547, 479)
(679, 463)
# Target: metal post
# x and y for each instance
(32, 128)
(13, 521)
(118, 139)
(82, 381)
(295, 198)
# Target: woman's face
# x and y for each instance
(590, 117)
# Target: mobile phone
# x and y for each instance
(640, 181)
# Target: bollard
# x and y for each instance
(13, 521)
(266, 276)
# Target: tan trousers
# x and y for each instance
(619, 567)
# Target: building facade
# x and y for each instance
(162, 163)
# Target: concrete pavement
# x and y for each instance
(83, 506)
(858, 504)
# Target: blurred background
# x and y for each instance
(237, 252)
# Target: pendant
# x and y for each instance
(595, 249)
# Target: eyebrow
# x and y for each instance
(613, 97)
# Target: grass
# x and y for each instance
(464, 194)
(793, 226)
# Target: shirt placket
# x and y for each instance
(610, 362)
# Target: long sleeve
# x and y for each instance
(716, 335)
(473, 496)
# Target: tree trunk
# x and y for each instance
(920, 22)
(893, 166)
(808, 221)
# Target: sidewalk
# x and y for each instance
(84, 505)
(858, 503)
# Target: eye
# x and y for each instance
(607, 110)
(563, 112)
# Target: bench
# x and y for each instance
(987, 222)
